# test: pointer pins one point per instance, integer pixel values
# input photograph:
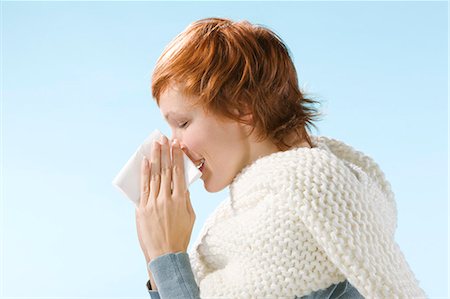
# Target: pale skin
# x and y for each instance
(165, 219)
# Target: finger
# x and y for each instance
(184, 149)
(179, 183)
(145, 186)
(155, 171)
(166, 167)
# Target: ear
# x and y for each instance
(248, 118)
(245, 115)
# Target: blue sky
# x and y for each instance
(76, 104)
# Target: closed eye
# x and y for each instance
(183, 125)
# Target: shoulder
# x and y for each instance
(290, 169)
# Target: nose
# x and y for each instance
(184, 148)
(178, 137)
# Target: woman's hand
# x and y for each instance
(164, 217)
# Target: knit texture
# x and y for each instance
(300, 220)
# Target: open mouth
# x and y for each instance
(200, 166)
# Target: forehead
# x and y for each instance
(173, 103)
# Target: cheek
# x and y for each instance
(195, 139)
(208, 138)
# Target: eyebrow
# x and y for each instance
(170, 114)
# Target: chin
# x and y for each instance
(213, 188)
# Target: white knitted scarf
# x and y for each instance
(300, 220)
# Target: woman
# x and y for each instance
(307, 216)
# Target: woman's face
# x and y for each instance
(223, 145)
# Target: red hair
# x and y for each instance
(231, 66)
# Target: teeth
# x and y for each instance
(201, 163)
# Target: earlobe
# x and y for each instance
(247, 118)
(244, 115)
(246, 124)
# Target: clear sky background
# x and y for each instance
(76, 103)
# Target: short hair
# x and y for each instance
(229, 66)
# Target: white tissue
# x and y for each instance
(128, 180)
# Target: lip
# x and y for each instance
(202, 163)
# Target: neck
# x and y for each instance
(267, 147)
(297, 142)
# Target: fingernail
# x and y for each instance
(163, 140)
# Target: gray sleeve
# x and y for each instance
(154, 294)
(341, 290)
(173, 275)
